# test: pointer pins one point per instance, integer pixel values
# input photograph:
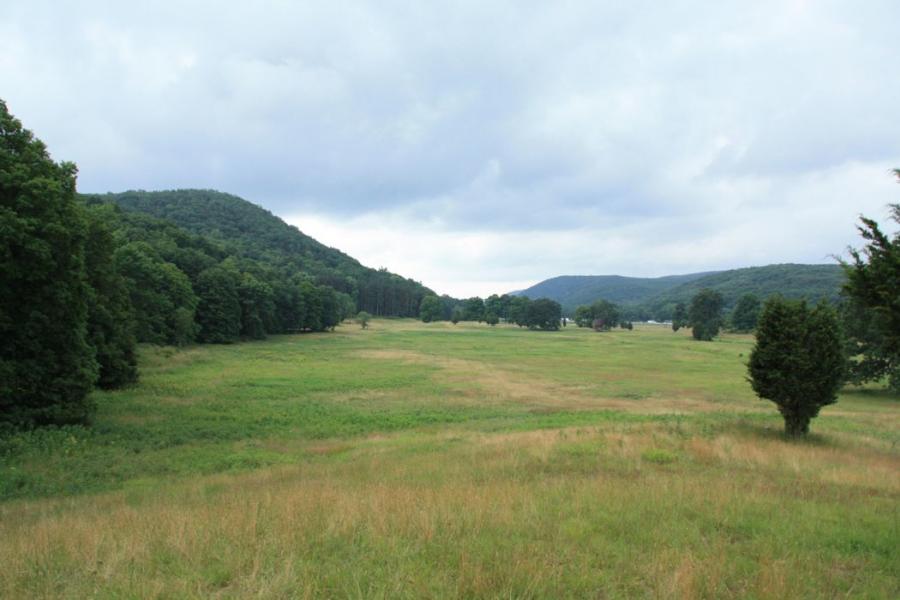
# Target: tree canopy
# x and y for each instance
(601, 315)
(745, 313)
(705, 314)
(798, 361)
(430, 309)
(873, 314)
(47, 363)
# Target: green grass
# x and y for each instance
(413, 460)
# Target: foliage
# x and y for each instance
(656, 298)
(602, 315)
(158, 291)
(456, 315)
(518, 310)
(219, 309)
(257, 301)
(110, 314)
(745, 313)
(47, 364)
(248, 231)
(679, 317)
(543, 313)
(363, 319)
(473, 309)
(873, 311)
(705, 314)
(430, 309)
(798, 361)
(572, 291)
(491, 318)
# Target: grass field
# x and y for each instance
(413, 460)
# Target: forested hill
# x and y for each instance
(657, 297)
(575, 290)
(812, 282)
(252, 232)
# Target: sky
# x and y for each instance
(481, 147)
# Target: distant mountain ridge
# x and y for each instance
(574, 290)
(656, 297)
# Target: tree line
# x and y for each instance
(543, 313)
(84, 281)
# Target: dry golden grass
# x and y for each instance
(536, 513)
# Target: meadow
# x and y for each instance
(431, 460)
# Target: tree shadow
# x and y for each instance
(770, 431)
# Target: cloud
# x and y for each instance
(569, 137)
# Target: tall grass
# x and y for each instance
(431, 461)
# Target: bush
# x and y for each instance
(798, 361)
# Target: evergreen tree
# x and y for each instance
(110, 315)
(47, 365)
(873, 312)
(798, 361)
(705, 314)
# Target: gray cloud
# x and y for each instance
(668, 121)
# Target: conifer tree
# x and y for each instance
(798, 361)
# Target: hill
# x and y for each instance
(574, 290)
(251, 232)
(812, 282)
(657, 297)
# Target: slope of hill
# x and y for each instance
(251, 231)
(813, 282)
(574, 290)
(657, 297)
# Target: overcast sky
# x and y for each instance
(484, 146)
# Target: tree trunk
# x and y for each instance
(796, 425)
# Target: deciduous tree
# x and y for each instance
(430, 309)
(679, 318)
(705, 314)
(47, 365)
(745, 313)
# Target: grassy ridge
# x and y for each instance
(417, 460)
